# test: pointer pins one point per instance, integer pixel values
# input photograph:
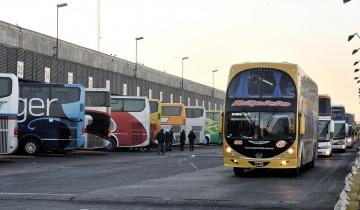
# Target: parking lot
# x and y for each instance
(146, 180)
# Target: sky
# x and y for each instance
(214, 34)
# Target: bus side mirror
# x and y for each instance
(302, 124)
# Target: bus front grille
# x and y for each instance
(4, 125)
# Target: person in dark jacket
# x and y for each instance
(160, 137)
(171, 138)
(182, 140)
(167, 140)
(191, 138)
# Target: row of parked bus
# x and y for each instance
(274, 118)
(38, 117)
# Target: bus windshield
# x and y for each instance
(5, 87)
(97, 98)
(261, 83)
(323, 127)
(153, 106)
(338, 114)
(324, 107)
(261, 125)
(194, 112)
(339, 131)
(171, 111)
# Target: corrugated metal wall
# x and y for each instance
(34, 69)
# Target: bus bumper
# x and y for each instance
(277, 163)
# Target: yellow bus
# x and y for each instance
(173, 116)
(155, 118)
(270, 117)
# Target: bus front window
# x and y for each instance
(339, 131)
(261, 125)
(171, 111)
(97, 98)
(5, 87)
(323, 128)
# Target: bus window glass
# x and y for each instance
(324, 107)
(271, 83)
(216, 117)
(209, 115)
(134, 105)
(5, 87)
(97, 98)
(261, 125)
(338, 115)
(66, 95)
(194, 113)
(323, 130)
(171, 111)
(339, 131)
(117, 105)
(153, 106)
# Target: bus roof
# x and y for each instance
(337, 106)
(97, 89)
(213, 111)
(324, 96)
(172, 104)
(130, 97)
(194, 107)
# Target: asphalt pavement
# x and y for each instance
(145, 180)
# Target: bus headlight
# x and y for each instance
(348, 140)
(283, 162)
(228, 150)
(290, 151)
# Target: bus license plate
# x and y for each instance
(259, 164)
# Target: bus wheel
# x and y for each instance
(238, 171)
(31, 146)
(112, 146)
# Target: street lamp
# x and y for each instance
(213, 72)
(355, 78)
(356, 70)
(356, 62)
(57, 27)
(346, 1)
(182, 71)
(136, 40)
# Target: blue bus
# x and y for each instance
(51, 117)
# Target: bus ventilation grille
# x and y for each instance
(3, 135)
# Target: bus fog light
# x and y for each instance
(235, 161)
(327, 152)
(290, 151)
(283, 162)
(228, 150)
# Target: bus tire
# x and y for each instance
(238, 171)
(112, 146)
(343, 151)
(31, 146)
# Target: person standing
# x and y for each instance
(171, 138)
(182, 140)
(160, 137)
(191, 138)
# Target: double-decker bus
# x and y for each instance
(325, 126)
(350, 140)
(50, 117)
(212, 127)
(130, 121)
(196, 120)
(9, 96)
(97, 117)
(341, 127)
(270, 117)
(155, 119)
(173, 116)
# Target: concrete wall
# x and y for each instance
(18, 37)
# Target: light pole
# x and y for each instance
(213, 86)
(182, 72)
(352, 36)
(136, 40)
(346, 1)
(355, 51)
(57, 27)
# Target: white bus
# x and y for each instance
(196, 121)
(9, 96)
(97, 118)
(325, 127)
(341, 127)
(130, 122)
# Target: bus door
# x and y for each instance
(9, 96)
